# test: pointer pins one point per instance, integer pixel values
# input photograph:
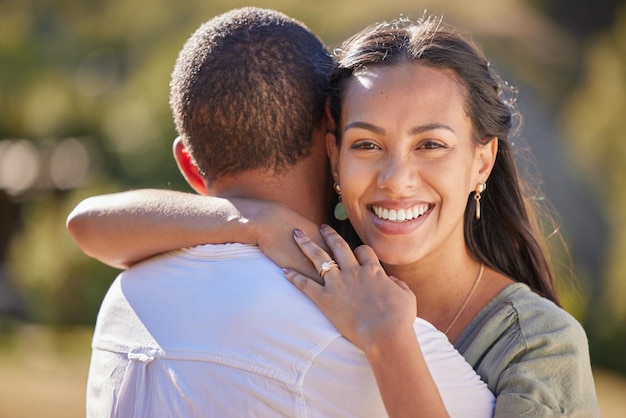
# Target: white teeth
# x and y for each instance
(400, 215)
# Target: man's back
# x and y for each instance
(218, 331)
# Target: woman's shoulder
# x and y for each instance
(534, 310)
(519, 310)
(538, 316)
(519, 323)
(532, 351)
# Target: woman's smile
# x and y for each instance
(400, 214)
(392, 218)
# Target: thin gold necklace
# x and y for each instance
(469, 296)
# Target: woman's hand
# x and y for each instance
(376, 313)
(360, 299)
(273, 225)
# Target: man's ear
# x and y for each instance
(332, 149)
(187, 167)
(331, 124)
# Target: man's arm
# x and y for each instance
(121, 229)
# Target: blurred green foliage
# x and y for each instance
(98, 71)
(593, 119)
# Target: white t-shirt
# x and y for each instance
(217, 331)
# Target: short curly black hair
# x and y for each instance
(247, 91)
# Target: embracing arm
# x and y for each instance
(404, 381)
(121, 229)
(376, 313)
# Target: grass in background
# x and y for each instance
(43, 372)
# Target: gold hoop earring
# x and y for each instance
(480, 187)
(340, 210)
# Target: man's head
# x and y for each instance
(247, 92)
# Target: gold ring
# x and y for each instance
(326, 266)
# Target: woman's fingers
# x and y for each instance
(401, 284)
(320, 258)
(341, 256)
(307, 285)
(365, 255)
(341, 250)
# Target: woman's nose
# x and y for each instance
(398, 174)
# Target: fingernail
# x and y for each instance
(298, 233)
(324, 227)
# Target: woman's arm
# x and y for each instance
(121, 229)
(376, 313)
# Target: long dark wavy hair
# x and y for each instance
(507, 237)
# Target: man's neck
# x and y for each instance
(303, 192)
(304, 187)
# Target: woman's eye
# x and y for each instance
(365, 145)
(431, 144)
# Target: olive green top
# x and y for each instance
(533, 356)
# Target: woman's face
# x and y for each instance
(406, 163)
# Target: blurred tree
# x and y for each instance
(593, 118)
(93, 73)
(581, 17)
(11, 302)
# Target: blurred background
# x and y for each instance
(84, 110)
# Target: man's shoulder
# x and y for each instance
(210, 252)
(226, 298)
(204, 258)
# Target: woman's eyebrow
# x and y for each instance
(429, 127)
(366, 126)
(413, 131)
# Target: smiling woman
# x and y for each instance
(421, 122)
